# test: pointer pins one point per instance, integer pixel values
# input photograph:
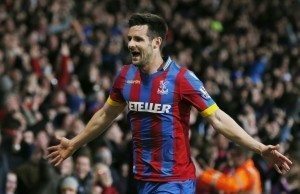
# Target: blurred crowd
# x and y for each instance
(58, 59)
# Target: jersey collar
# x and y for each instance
(167, 64)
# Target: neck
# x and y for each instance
(154, 64)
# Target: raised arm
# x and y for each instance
(96, 126)
(224, 124)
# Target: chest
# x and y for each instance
(158, 89)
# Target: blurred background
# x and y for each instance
(58, 59)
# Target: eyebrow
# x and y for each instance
(136, 37)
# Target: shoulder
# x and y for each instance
(178, 69)
(125, 69)
(184, 73)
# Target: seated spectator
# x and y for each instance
(69, 185)
(103, 181)
(36, 175)
(66, 168)
(104, 155)
(83, 172)
(244, 178)
(4, 167)
(11, 183)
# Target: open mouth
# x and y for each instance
(135, 54)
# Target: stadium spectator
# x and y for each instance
(68, 185)
(244, 178)
(11, 183)
(103, 180)
(83, 171)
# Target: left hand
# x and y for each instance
(281, 163)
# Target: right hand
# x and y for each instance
(60, 152)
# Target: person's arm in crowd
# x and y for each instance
(78, 29)
(96, 126)
(65, 67)
(224, 124)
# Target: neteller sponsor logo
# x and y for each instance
(133, 81)
(149, 107)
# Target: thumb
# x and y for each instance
(58, 138)
(277, 147)
(274, 147)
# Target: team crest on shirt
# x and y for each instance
(204, 93)
(162, 89)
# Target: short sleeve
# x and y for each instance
(115, 96)
(193, 91)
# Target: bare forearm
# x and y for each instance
(95, 127)
(224, 124)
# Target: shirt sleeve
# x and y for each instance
(193, 91)
(115, 96)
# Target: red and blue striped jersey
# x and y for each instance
(159, 109)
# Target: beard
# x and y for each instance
(143, 58)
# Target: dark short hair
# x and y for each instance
(157, 27)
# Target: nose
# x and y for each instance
(131, 44)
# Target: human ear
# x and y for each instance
(156, 42)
